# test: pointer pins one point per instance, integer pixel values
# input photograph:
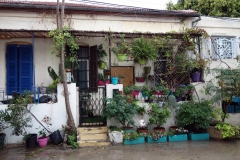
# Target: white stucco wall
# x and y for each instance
(92, 22)
(56, 111)
(220, 27)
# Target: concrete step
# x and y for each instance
(90, 130)
(93, 136)
(93, 143)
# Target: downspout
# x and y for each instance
(195, 21)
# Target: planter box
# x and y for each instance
(162, 139)
(198, 136)
(140, 140)
(214, 133)
(176, 138)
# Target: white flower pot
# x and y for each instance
(116, 137)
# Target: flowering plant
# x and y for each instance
(132, 135)
(155, 135)
(177, 131)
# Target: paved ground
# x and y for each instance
(191, 150)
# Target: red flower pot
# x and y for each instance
(157, 93)
(135, 92)
(101, 83)
(140, 79)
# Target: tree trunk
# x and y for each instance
(70, 121)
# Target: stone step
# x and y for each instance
(93, 143)
(93, 136)
(91, 130)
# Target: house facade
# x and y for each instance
(25, 48)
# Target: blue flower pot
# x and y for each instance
(114, 80)
(198, 136)
(162, 139)
(140, 140)
(177, 138)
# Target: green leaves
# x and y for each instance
(197, 114)
(158, 115)
(121, 108)
(218, 8)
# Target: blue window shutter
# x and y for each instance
(26, 68)
(12, 68)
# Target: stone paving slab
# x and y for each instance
(190, 150)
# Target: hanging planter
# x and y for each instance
(140, 79)
(101, 83)
(147, 69)
(101, 64)
(121, 57)
(141, 61)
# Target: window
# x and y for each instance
(223, 47)
(19, 65)
(85, 73)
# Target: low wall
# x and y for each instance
(56, 111)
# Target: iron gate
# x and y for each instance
(91, 104)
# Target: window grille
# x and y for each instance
(223, 47)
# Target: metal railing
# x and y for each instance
(39, 94)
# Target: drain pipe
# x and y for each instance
(195, 21)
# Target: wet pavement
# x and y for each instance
(190, 150)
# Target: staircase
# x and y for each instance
(93, 136)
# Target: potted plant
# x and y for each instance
(43, 138)
(121, 50)
(115, 135)
(120, 79)
(178, 134)
(142, 49)
(180, 93)
(133, 138)
(3, 125)
(101, 81)
(222, 130)
(156, 136)
(121, 110)
(142, 127)
(196, 117)
(136, 90)
(128, 90)
(158, 115)
(101, 53)
(144, 90)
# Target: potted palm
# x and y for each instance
(158, 115)
(121, 50)
(142, 49)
